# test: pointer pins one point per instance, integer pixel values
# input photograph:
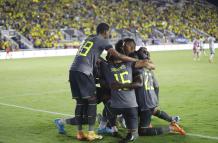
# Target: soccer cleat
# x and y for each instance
(105, 130)
(81, 136)
(129, 138)
(176, 119)
(93, 136)
(176, 128)
(60, 126)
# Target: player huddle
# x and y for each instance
(128, 89)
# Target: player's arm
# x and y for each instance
(137, 82)
(121, 57)
(145, 63)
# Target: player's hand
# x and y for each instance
(115, 85)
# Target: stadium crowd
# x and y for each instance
(41, 20)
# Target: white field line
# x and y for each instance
(202, 136)
(35, 110)
(68, 115)
(35, 94)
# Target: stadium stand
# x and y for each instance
(53, 23)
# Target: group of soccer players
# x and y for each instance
(128, 88)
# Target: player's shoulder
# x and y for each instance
(101, 39)
(91, 37)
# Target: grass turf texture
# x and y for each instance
(187, 88)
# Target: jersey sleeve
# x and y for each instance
(107, 45)
(104, 71)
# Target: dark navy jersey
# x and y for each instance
(137, 71)
(146, 96)
(89, 52)
(155, 82)
(122, 73)
(105, 72)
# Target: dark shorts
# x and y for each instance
(130, 115)
(145, 118)
(103, 94)
(82, 86)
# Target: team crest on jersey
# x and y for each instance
(122, 67)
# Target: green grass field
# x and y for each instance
(30, 89)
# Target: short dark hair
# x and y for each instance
(102, 27)
(143, 53)
(121, 43)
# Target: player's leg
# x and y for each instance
(200, 51)
(144, 119)
(121, 121)
(194, 54)
(103, 95)
(84, 88)
(163, 115)
(80, 105)
(198, 55)
(211, 57)
(172, 128)
(76, 95)
(145, 130)
(60, 122)
(112, 116)
(106, 116)
(78, 83)
(204, 52)
(154, 131)
(91, 112)
(131, 118)
(103, 122)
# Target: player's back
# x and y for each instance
(89, 52)
(146, 95)
(122, 98)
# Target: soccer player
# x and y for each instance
(102, 94)
(202, 49)
(147, 100)
(123, 99)
(82, 81)
(196, 50)
(211, 41)
(108, 116)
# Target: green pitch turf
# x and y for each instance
(31, 90)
